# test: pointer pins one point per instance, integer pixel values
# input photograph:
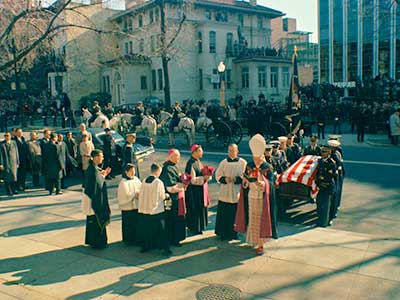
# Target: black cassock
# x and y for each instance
(96, 190)
(176, 225)
(196, 214)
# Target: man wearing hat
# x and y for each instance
(339, 178)
(313, 148)
(196, 195)
(293, 152)
(253, 215)
(128, 152)
(279, 156)
(108, 151)
(325, 180)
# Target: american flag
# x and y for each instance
(303, 171)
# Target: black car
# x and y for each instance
(143, 146)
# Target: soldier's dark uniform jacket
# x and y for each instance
(293, 153)
(326, 174)
(309, 150)
(281, 161)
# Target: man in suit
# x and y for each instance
(23, 153)
(313, 148)
(9, 162)
(128, 152)
(54, 165)
(64, 155)
(35, 159)
(72, 148)
(108, 151)
(43, 145)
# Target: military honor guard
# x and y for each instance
(128, 197)
(325, 180)
(253, 215)
(293, 151)
(97, 208)
(153, 230)
(313, 148)
(196, 196)
(279, 157)
(9, 162)
(229, 175)
(175, 217)
(336, 155)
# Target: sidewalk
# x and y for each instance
(42, 257)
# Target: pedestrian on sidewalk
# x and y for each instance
(128, 196)
(54, 165)
(23, 154)
(35, 159)
(153, 231)
(395, 127)
(9, 162)
(361, 123)
(98, 212)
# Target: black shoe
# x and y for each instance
(16, 193)
(166, 252)
(177, 244)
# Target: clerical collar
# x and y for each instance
(236, 159)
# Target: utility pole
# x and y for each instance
(164, 56)
(20, 107)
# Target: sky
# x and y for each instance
(305, 11)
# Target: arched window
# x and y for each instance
(212, 41)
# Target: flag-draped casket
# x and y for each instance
(304, 172)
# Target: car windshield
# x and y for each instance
(117, 137)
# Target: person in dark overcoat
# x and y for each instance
(54, 165)
(72, 148)
(35, 158)
(23, 153)
(43, 145)
(9, 162)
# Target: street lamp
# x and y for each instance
(221, 70)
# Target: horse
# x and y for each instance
(185, 125)
(101, 121)
(148, 126)
(122, 122)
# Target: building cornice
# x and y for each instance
(274, 59)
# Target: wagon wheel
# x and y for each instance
(277, 129)
(237, 133)
(218, 134)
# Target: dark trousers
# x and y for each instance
(10, 187)
(395, 139)
(360, 132)
(337, 128)
(36, 180)
(54, 183)
(324, 199)
(21, 177)
(321, 131)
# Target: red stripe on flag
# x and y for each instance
(312, 177)
(304, 171)
(293, 169)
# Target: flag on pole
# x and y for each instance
(294, 99)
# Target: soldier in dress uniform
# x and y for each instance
(293, 150)
(313, 148)
(279, 156)
(336, 155)
(325, 181)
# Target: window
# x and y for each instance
(208, 15)
(212, 41)
(245, 77)
(130, 47)
(143, 82)
(125, 25)
(153, 80)
(221, 17)
(262, 76)
(152, 43)
(130, 24)
(151, 17)
(160, 79)
(200, 42)
(285, 25)
(141, 45)
(106, 84)
(200, 79)
(241, 20)
(158, 41)
(140, 21)
(157, 14)
(215, 85)
(274, 77)
(259, 22)
(228, 76)
(229, 42)
(126, 48)
(285, 76)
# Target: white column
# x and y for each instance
(375, 66)
(330, 51)
(393, 40)
(360, 40)
(345, 40)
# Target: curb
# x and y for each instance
(380, 143)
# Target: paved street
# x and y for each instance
(43, 257)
